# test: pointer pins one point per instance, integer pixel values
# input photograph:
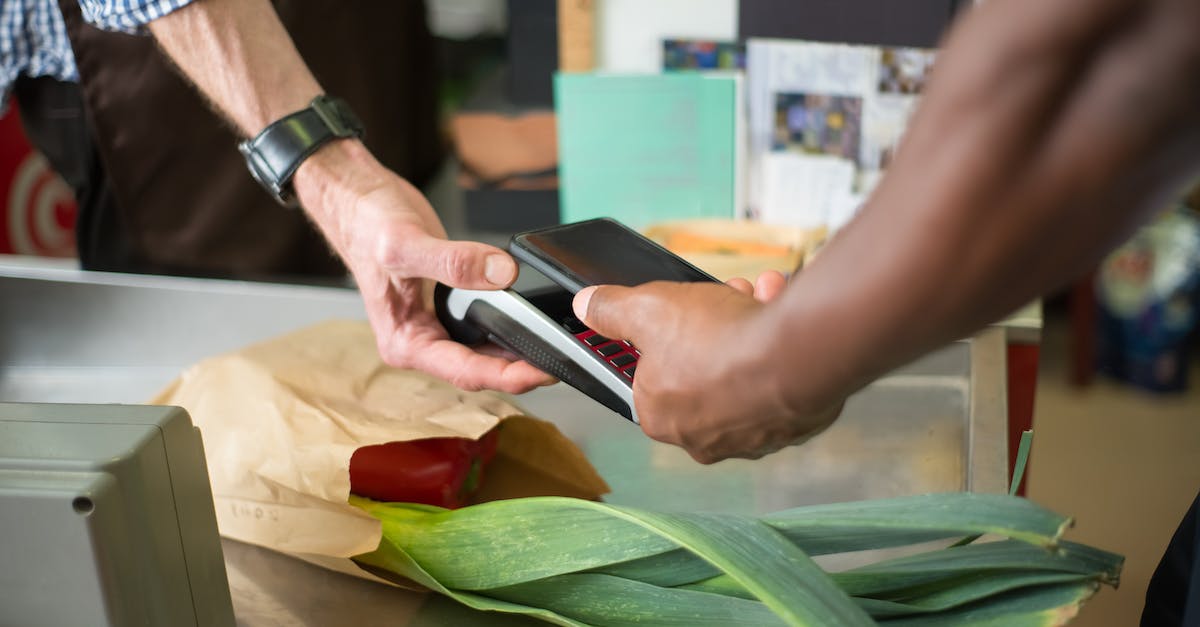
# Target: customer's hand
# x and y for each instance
(764, 289)
(706, 380)
(394, 245)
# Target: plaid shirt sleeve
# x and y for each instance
(127, 16)
(33, 38)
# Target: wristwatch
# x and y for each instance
(277, 152)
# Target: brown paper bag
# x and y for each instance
(281, 419)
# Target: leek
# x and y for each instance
(574, 562)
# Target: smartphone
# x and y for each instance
(600, 252)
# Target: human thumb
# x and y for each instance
(469, 265)
(604, 309)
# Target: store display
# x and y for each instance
(1148, 294)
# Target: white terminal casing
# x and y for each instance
(512, 321)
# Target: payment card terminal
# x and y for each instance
(533, 318)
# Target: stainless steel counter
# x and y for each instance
(70, 336)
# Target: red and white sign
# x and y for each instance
(36, 206)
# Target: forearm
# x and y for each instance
(241, 58)
(1042, 141)
(390, 238)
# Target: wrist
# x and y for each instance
(803, 371)
(277, 152)
(328, 183)
(755, 361)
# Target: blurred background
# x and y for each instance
(742, 135)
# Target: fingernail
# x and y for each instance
(580, 304)
(499, 270)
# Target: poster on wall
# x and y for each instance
(825, 121)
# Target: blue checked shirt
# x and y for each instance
(33, 38)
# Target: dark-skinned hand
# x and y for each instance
(705, 380)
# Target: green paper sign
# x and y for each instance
(646, 149)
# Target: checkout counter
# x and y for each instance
(68, 336)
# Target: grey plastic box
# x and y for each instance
(106, 518)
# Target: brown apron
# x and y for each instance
(186, 203)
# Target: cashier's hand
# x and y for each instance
(392, 241)
(705, 381)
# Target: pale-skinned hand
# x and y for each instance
(393, 243)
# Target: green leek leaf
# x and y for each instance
(573, 562)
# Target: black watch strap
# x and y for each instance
(277, 152)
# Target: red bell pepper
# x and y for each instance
(435, 471)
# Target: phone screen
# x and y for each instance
(601, 251)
